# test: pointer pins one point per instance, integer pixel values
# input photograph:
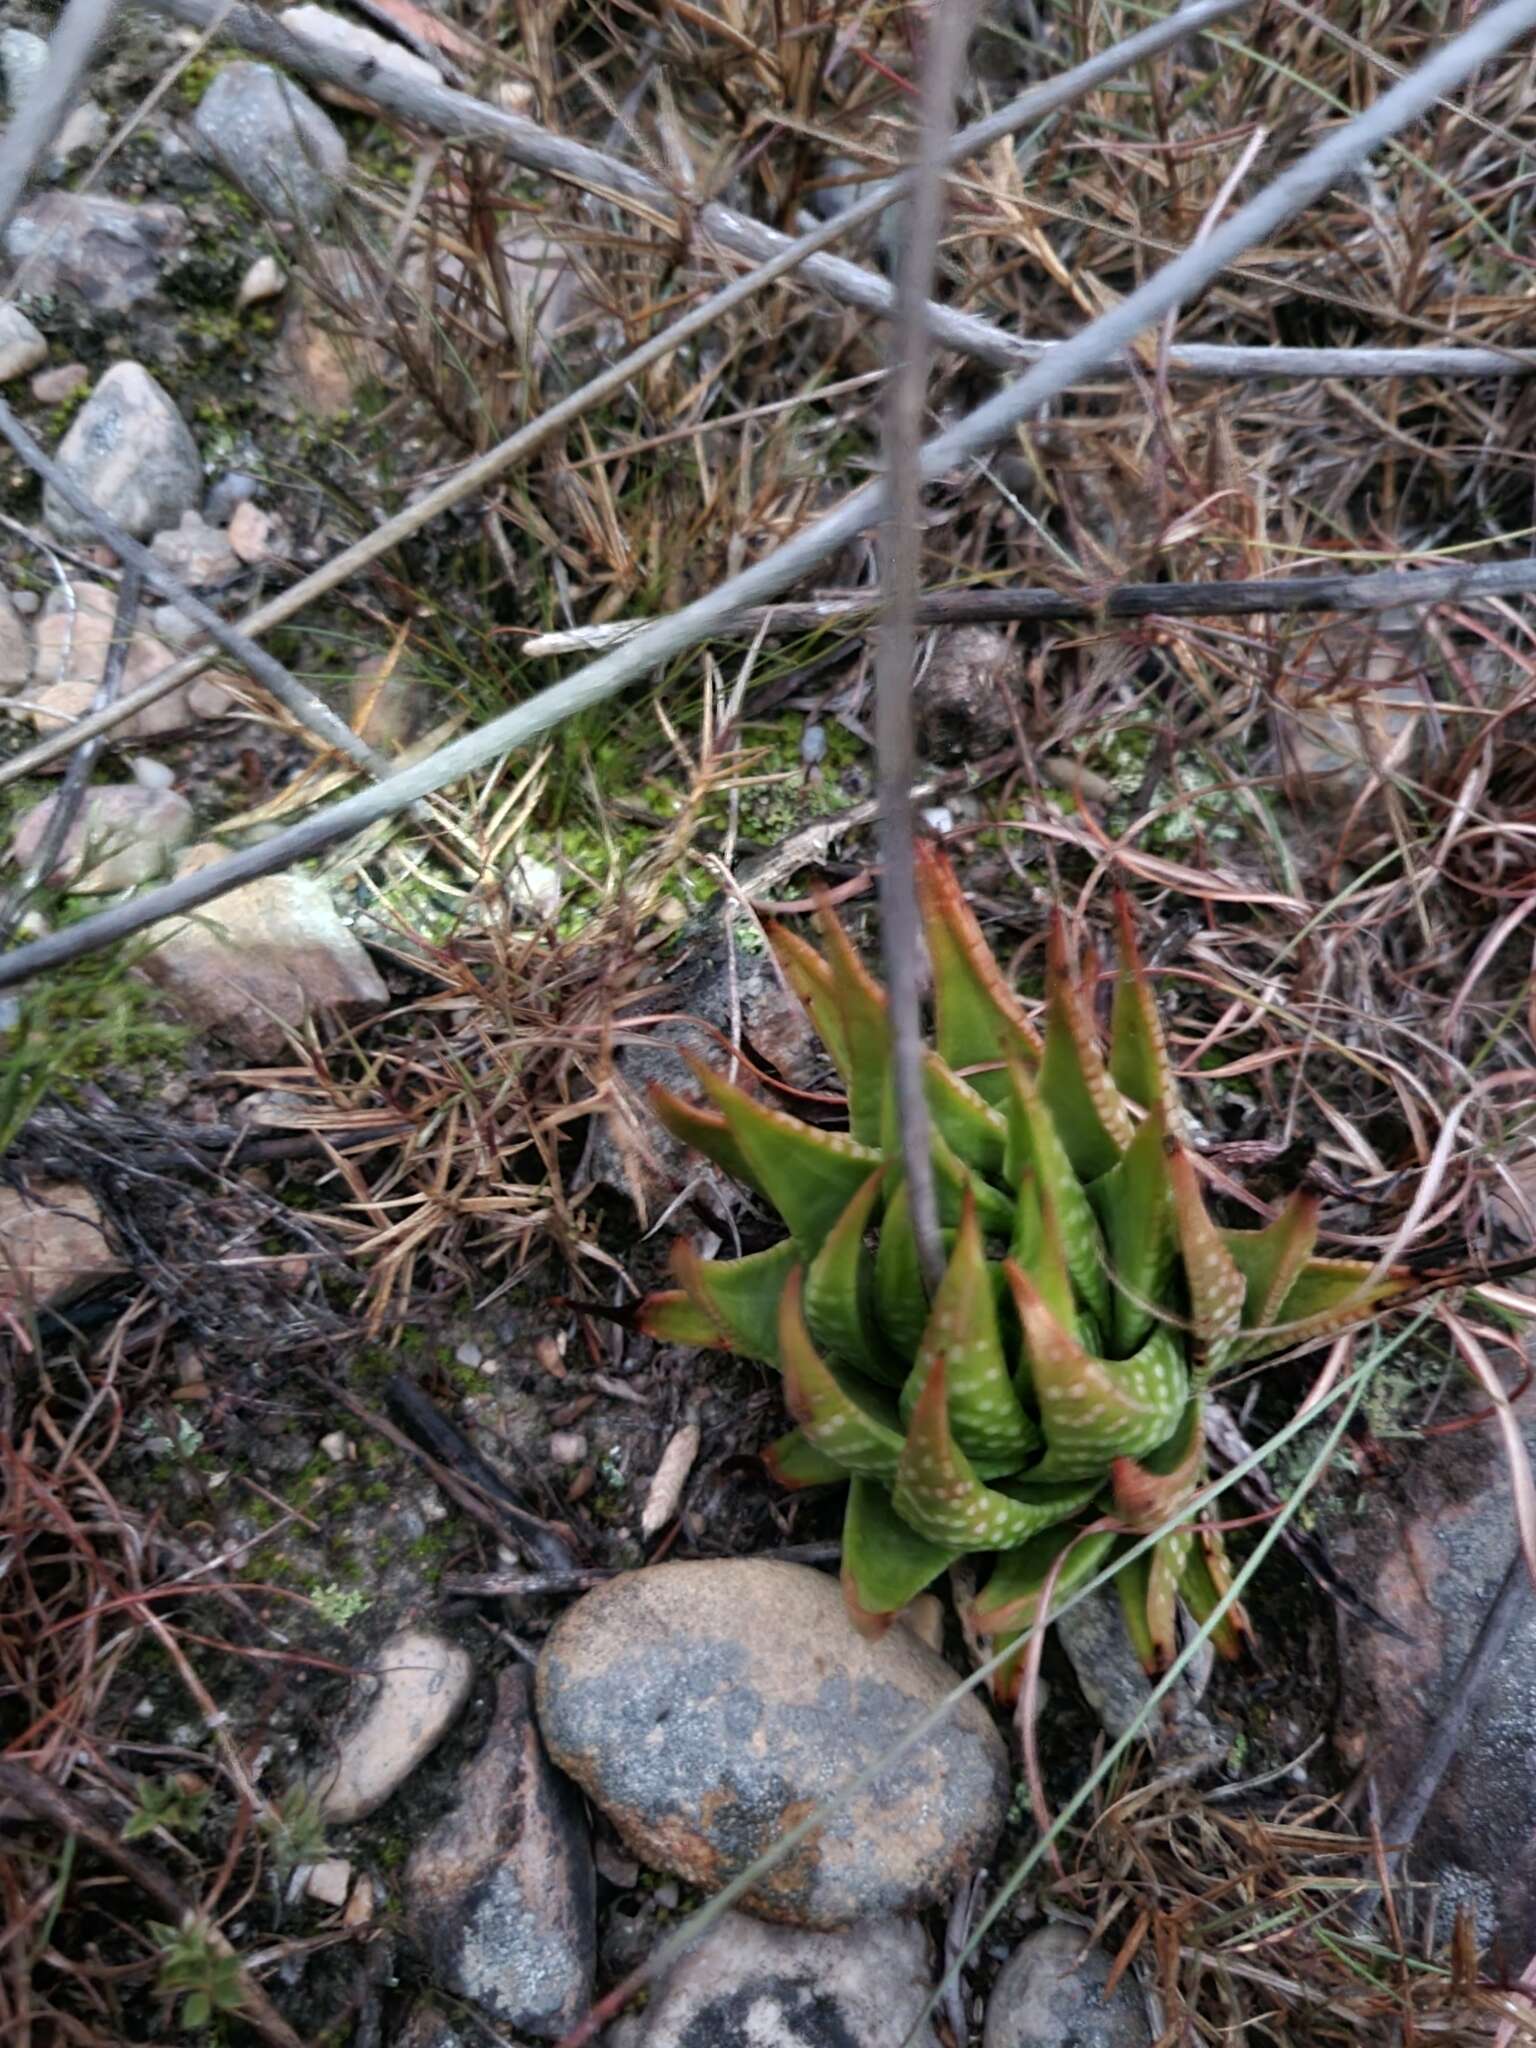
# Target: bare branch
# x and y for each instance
(1178, 281)
(461, 117)
(901, 551)
(1379, 590)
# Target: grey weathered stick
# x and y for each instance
(948, 32)
(271, 675)
(1178, 281)
(35, 123)
(485, 469)
(1379, 590)
(457, 115)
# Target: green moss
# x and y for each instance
(87, 1020)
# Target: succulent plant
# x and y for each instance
(1046, 1405)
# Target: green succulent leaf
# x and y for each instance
(861, 1008)
(1204, 1584)
(1094, 1410)
(1327, 1296)
(938, 1493)
(1214, 1281)
(1135, 1205)
(1139, 1064)
(1094, 1123)
(1148, 1587)
(795, 1462)
(738, 1298)
(886, 1563)
(973, 1130)
(1270, 1259)
(809, 1175)
(840, 1292)
(1035, 1147)
(848, 1419)
(979, 1021)
(1010, 1601)
(705, 1130)
(962, 1331)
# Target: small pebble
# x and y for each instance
(264, 280)
(149, 773)
(567, 1447)
(27, 602)
(813, 744)
(22, 348)
(330, 1881)
(469, 1353)
(254, 535)
(336, 1447)
(232, 490)
(52, 387)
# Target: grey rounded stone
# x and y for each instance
(268, 136)
(132, 454)
(22, 348)
(749, 1985)
(233, 488)
(961, 701)
(708, 1707)
(1050, 1994)
(23, 57)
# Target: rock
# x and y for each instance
(259, 962)
(122, 835)
(531, 889)
(130, 451)
(501, 1892)
(227, 494)
(628, 1149)
(52, 387)
(397, 1718)
(351, 39)
(53, 1244)
(1355, 712)
(567, 1447)
(22, 348)
(15, 648)
(195, 551)
(329, 1881)
(255, 535)
(268, 137)
(1050, 1994)
(962, 699)
(1117, 1688)
(426, 2028)
(265, 279)
(73, 641)
(1431, 1553)
(85, 131)
(22, 59)
(385, 698)
(706, 1707)
(748, 1985)
(105, 252)
(324, 354)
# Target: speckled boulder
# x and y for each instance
(708, 1707)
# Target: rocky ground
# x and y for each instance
(434, 1641)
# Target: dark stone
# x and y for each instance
(708, 1707)
(502, 1892)
(1432, 1560)
(1050, 1994)
(104, 252)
